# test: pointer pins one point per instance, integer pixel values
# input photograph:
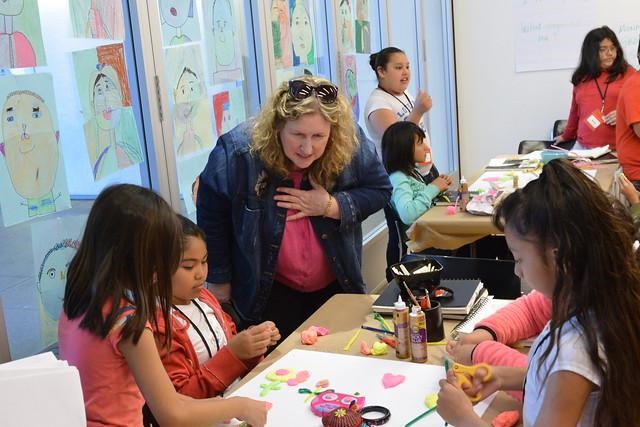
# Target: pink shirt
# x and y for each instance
(302, 264)
(111, 395)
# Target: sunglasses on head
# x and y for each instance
(299, 90)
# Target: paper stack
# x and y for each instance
(40, 390)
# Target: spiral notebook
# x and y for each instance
(465, 294)
(483, 308)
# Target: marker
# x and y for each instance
(382, 331)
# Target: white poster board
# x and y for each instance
(548, 34)
(349, 375)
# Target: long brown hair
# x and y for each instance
(281, 107)
(130, 248)
(597, 276)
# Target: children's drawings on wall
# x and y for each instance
(20, 34)
(363, 28)
(281, 32)
(222, 41)
(179, 22)
(191, 113)
(32, 178)
(97, 19)
(345, 27)
(229, 109)
(302, 34)
(188, 169)
(349, 82)
(54, 242)
(110, 128)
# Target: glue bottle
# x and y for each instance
(418, 326)
(463, 194)
(401, 326)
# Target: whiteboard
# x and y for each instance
(350, 374)
(548, 34)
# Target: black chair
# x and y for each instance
(497, 276)
(397, 244)
(558, 127)
(527, 146)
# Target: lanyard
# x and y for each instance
(400, 101)
(215, 337)
(602, 95)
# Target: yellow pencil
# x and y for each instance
(350, 342)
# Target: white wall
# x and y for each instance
(497, 107)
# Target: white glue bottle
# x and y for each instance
(401, 326)
(418, 327)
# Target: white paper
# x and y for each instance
(41, 390)
(350, 374)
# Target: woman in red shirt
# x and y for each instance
(597, 82)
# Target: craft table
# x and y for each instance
(343, 314)
(436, 229)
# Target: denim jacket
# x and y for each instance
(244, 231)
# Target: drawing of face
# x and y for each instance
(31, 144)
(187, 94)
(301, 32)
(352, 84)
(11, 7)
(107, 102)
(176, 12)
(344, 23)
(223, 32)
(53, 277)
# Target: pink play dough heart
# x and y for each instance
(390, 380)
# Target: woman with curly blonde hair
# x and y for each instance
(281, 201)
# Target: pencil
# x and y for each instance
(382, 331)
(413, 298)
(351, 340)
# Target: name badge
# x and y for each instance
(595, 119)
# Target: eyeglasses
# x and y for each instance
(299, 90)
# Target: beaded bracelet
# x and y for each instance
(329, 203)
(378, 421)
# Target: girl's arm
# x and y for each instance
(571, 130)
(168, 406)
(381, 119)
(523, 318)
(564, 399)
(408, 207)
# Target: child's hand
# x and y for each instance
(610, 118)
(454, 405)
(422, 103)
(442, 182)
(628, 189)
(252, 342)
(275, 333)
(254, 412)
(459, 352)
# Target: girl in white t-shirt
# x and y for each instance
(574, 244)
(390, 102)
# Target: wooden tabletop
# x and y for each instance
(343, 315)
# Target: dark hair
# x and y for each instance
(130, 248)
(398, 146)
(597, 277)
(190, 229)
(589, 66)
(381, 59)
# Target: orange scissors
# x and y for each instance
(464, 374)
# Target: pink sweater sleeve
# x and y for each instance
(497, 354)
(523, 318)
